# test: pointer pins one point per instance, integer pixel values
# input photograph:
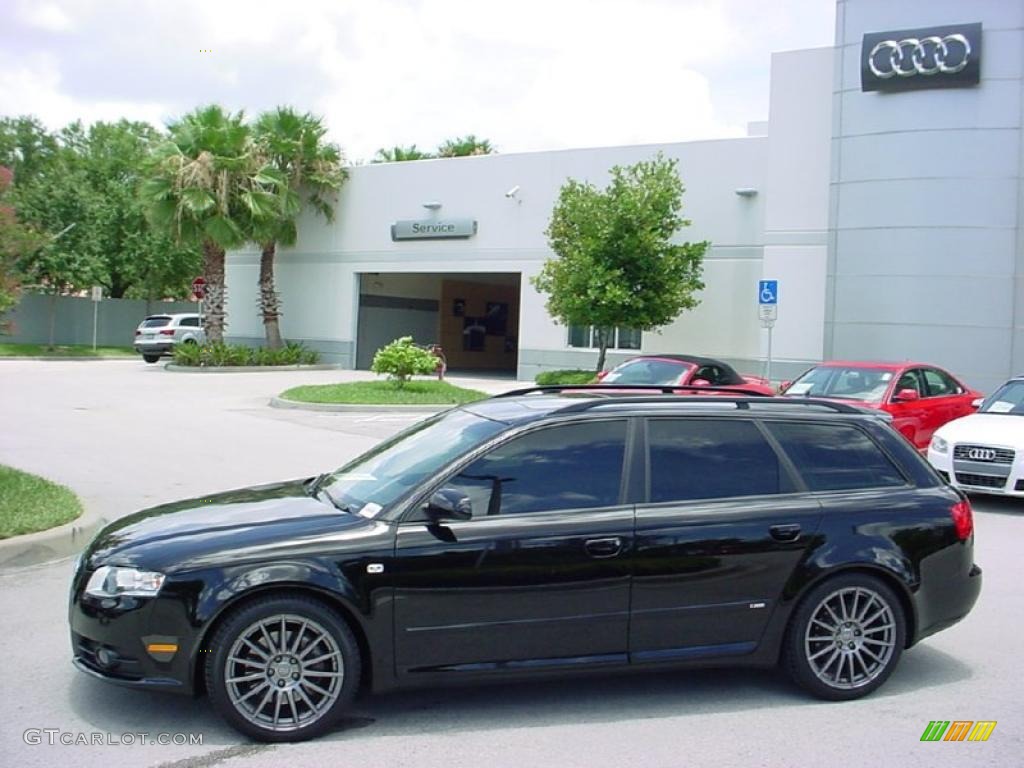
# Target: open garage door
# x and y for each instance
(473, 316)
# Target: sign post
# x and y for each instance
(97, 297)
(768, 311)
(199, 291)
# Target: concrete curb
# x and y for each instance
(278, 402)
(247, 368)
(53, 544)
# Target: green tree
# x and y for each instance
(17, 242)
(26, 147)
(464, 146)
(206, 187)
(293, 144)
(397, 154)
(616, 263)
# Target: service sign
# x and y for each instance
(912, 59)
(433, 229)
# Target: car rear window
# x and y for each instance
(835, 457)
(157, 321)
(694, 459)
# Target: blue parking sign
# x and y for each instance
(768, 292)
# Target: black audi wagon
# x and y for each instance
(536, 533)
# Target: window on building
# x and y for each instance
(589, 337)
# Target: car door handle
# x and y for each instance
(599, 548)
(787, 532)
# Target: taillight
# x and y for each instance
(167, 332)
(963, 519)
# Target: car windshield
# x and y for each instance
(155, 322)
(657, 372)
(1009, 399)
(384, 474)
(847, 383)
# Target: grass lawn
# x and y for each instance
(384, 393)
(29, 503)
(73, 350)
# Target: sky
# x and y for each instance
(526, 74)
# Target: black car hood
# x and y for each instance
(179, 533)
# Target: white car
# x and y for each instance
(984, 452)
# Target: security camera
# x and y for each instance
(512, 192)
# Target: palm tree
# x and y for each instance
(464, 146)
(204, 184)
(293, 145)
(397, 154)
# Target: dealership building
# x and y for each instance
(884, 194)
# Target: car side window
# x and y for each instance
(909, 380)
(571, 466)
(189, 322)
(835, 457)
(700, 458)
(939, 384)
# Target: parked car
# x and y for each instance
(984, 452)
(158, 335)
(919, 397)
(687, 370)
(539, 533)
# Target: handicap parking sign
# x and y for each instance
(768, 292)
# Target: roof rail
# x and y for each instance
(741, 399)
(612, 389)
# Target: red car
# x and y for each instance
(920, 397)
(689, 370)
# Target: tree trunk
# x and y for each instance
(53, 318)
(601, 350)
(270, 303)
(213, 301)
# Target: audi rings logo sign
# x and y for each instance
(911, 59)
(981, 454)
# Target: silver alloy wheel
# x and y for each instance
(284, 672)
(850, 638)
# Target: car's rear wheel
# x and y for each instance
(283, 668)
(151, 358)
(846, 637)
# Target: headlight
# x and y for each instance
(111, 581)
(939, 445)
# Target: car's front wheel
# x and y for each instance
(283, 668)
(151, 358)
(845, 637)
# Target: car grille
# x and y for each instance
(983, 453)
(981, 481)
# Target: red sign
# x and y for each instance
(199, 288)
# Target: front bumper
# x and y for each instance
(109, 640)
(977, 477)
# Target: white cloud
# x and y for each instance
(527, 74)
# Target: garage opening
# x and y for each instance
(474, 316)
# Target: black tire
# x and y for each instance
(850, 651)
(151, 358)
(193, 342)
(283, 682)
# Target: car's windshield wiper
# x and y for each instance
(316, 490)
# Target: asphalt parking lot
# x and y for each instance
(125, 435)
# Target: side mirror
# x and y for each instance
(784, 386)
(700, 383)
(449, 504)
(907, 395)
(601, 375)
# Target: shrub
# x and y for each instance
(401, 360)
(218, 354)
(551, 378)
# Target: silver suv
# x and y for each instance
(158, 335)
